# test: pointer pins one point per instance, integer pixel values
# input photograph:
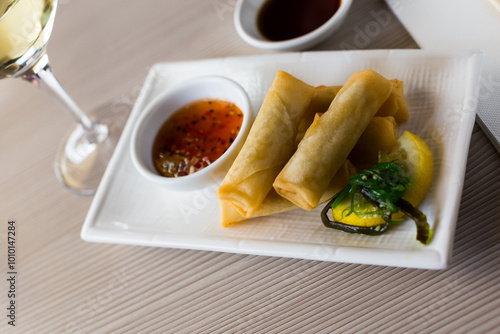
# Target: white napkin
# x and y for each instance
(464, 24)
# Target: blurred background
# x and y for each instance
(101, 52)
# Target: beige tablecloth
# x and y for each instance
(102, 51)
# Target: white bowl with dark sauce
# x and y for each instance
(288, 24)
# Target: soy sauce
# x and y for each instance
(280, 20)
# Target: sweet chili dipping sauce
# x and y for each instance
(279, 20)
(195, 136)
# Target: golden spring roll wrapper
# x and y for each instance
(322, 151)
(269, 145)
(321, 100)
(395, 105)
(274, 203)
(381, 134)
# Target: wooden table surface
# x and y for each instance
(101, 51)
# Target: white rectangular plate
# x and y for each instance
(441, 89)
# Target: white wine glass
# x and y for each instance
(25, 28)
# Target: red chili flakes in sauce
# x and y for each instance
(195, 136)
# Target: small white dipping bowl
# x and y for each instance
(160, 109)
(245, 20)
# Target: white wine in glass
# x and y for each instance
(25, 28)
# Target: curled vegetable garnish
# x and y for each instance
(383, 187)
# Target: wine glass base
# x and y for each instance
(80, 165)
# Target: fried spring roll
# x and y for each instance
(395, 105)
(269, 145)
(381, 134)
(322, 151)
(274, 203)
(321, 100)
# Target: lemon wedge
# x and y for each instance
(418, 164)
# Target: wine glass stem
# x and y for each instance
(41, 75)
